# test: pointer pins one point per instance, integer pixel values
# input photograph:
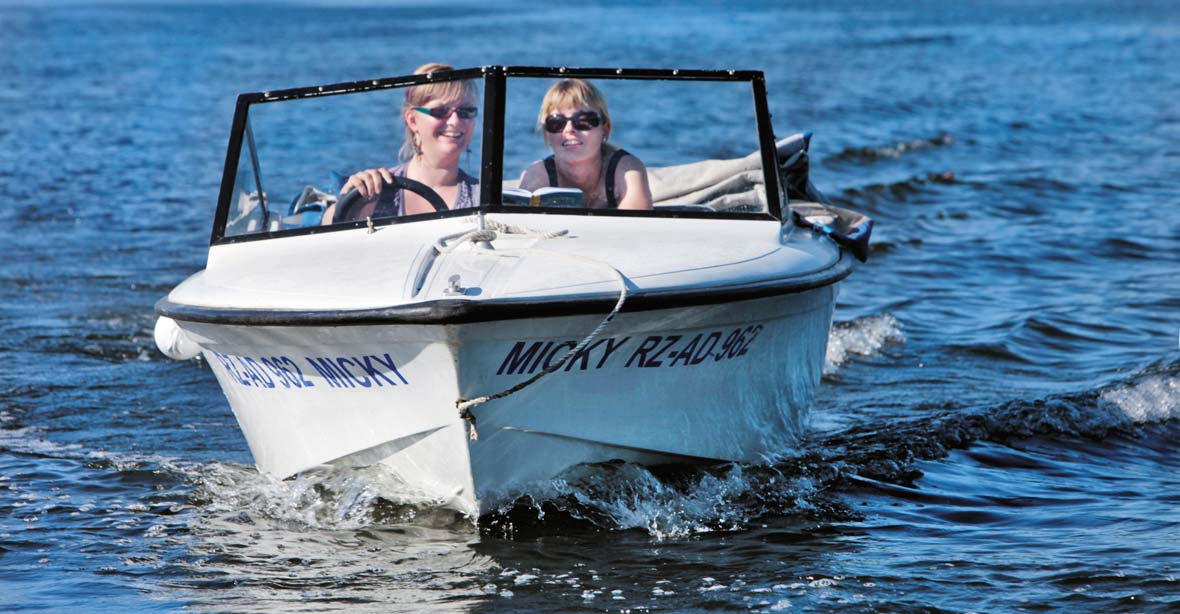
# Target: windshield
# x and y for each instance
(497, 139)
(297, 155)
(694, 145)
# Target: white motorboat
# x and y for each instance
(476, 352)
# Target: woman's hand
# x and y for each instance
(368, 182)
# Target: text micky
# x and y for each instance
(369, 371)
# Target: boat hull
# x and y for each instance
(730, 381)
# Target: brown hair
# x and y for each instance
(577, 93)
(419, 95)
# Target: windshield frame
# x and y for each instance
(491, 176)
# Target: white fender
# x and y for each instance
(173, 342)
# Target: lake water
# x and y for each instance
(996, 430)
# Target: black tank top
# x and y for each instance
(611, 165)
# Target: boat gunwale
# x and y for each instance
(467, 311)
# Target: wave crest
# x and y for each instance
(860, 337)
(1155, 399)
(895, 150)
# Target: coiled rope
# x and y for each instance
(490, 232)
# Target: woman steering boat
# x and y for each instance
(440, 122)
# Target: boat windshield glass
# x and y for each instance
(579, 141)
(690, 145)
(297, 154)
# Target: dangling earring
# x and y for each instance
(417, 146)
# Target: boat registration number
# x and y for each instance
(654, 351)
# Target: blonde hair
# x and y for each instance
(577, 93)
(419, 95)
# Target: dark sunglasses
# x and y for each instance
(445, 112)
(583, 120)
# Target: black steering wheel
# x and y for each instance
(350, 199)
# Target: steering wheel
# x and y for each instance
(350, 199)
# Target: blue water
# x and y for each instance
(996, 427)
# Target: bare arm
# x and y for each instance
(534, 176)
(631, 184)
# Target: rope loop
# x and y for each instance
(493, 229)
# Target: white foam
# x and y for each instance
(28, 440)
(630, 496)
(1154, 399)
(861, 337)
(643, 501)
(332, 499)
(231, 488)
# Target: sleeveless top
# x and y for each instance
(611, 165)
(391, 203)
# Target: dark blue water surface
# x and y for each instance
(997, 426)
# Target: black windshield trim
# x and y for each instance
(364, 85)
(492, 171)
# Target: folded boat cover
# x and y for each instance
(737, 185)
(724, 184)
(731, 185)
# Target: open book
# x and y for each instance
(543, 197)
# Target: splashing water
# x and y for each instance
(331, 499)
(861, 337)
(623, 496)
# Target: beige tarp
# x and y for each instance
(717, 184)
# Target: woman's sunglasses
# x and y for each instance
(445, 112)
(583, 120)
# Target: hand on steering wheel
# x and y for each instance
(368, 182)
(376, 181)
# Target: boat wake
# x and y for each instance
(860, 337)
(890, 453)
(667, 503)
(877, 198)
(861, 155)
(809, 485)
(332, 499)
(813, 485)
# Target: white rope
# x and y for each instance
(489, 234)
(493, 229)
